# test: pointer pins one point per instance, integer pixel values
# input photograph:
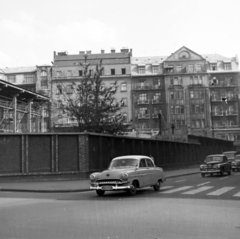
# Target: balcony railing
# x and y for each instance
(231, 113)
(143, 116)
(142, 102)
(217, 113)
(157, 101)
(222, 85)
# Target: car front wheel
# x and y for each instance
(229, 172)
(203, 175)
(100, 192)
(157, 186)
(133, 189)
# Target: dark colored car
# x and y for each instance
(216, 163)
(236, 163)
(230, 155)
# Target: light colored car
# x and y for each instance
(236, 163)
(216, 163)
(128, 173)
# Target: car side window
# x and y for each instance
(142, 163)
(149, 163)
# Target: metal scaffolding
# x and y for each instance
(21, 110)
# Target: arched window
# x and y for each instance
(44, 83)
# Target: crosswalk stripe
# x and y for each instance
(236, 195)
(198, 190)
(220, 191)
(178, 189)
(166, 187)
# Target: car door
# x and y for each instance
(152, 177)
(142, 172)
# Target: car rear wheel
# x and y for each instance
(100, 192)
(157, 186)
(133, 189)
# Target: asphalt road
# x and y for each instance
(186, 207)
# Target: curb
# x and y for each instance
(71, 190)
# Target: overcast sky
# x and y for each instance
(32, 30)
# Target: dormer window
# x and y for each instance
(227, 66)
(141, 69)
(213, 66)
(155, 69)
(179, 68)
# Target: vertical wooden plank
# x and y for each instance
(52, 154)
(26, 154)
(23, 154)
(56, 153)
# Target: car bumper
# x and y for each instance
(109, 188)
(210, 171)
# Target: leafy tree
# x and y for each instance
(92, 104)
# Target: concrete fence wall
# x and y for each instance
(82, 153)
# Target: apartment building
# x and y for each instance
(116, 67)
(200, 94)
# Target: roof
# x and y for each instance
(9, 90)
(132, 156)
(216, 57)
(153, 60)
(19, 70)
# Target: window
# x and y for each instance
(142, 163)
(157, 96)
(44, 83)
(227, 66)
(197, 109)
(141, 69)
(198, 67)
(124, 101)
(143, 97)
(177, 109)
(124, 117)
(11, 78)
(29, 78)
(124, 87)
(149, 163)
(190, 68)
(112, 71)
(179, 123)
(176, 81)
(123, 71)
(143, 111)
(179, 69)
(155, 69)
(176, 95)
(69, 89)
(80, 73)
(213, 66)
(229, 81)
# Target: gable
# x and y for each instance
(184, 54)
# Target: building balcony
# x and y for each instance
(222, 85)
(226, 126)
(142, 102)
(141, 87)
(156, 87)
(217, 113)
(231, 113)
(143, 116)
(157, 101)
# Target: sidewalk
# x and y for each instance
(73, 185)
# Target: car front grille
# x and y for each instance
(109, 182)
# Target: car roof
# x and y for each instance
(132, 156)
(215, 155)
(229, 152)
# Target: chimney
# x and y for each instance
(102, 51)
(124, 50)
(81, 52)
(112, 50)
(89, 52)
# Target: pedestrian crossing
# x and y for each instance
(192, 190)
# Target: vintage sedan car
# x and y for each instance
(216, 163)
(128, 173)
(236, 163)
(230, 155)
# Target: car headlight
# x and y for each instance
(93, 177)
(124, 177)
(234, 163)
(202, 166)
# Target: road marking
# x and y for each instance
(166, 187)
(236, 195)
(198, 190)
(223, 178)
(203, 184)
(220, 191)
(180, 181)
(178, 189)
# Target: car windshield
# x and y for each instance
(237, 157)
(214, 158)
(122, 163)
